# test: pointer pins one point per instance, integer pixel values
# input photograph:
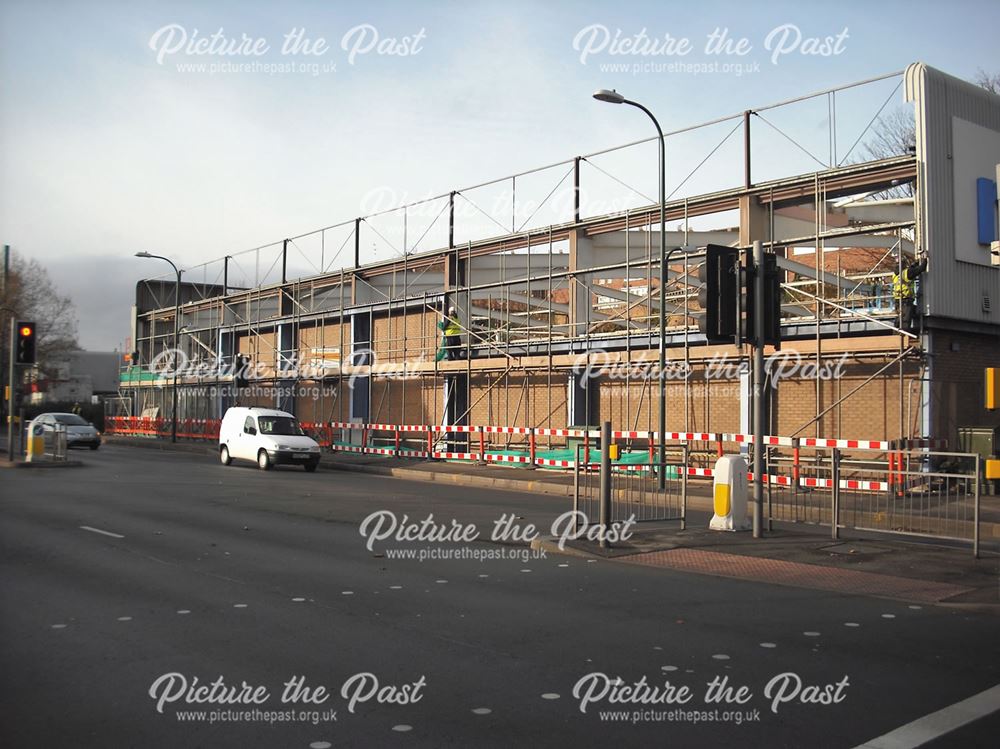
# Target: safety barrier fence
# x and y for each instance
(553, 448)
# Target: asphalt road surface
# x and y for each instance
(130, 584)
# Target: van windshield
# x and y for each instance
(283, 425)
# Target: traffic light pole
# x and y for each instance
(10, 391)
(758, 390)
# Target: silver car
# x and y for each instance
(79, 431)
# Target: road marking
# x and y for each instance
(402, 728)
(935, 725)
(320, 745)
(98, 530)
(58, 626)
(811, 634)
(550, 696)
(888, 616)
(183, 611)
(239, 605)
(668, 668)
(481, 711)
(768, 645)
(721, 657)
(298, 600)
(124, 618)
(851, 624)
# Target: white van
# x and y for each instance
(267, 437)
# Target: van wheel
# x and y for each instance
(263, 462)
(224, 456)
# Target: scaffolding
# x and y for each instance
(559, 310)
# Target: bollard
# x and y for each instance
(730, 494)
(835, 496)
(605, 517)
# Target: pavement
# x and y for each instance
(144, 563)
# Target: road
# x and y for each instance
(125, 580)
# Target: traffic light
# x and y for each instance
(24, 346)
(719, 296)
(772, 302)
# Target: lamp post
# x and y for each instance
(613, 97)
(177, 312)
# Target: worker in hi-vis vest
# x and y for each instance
(451, 343)
(904, 293)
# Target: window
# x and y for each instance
(248, 425)
(282, 425)
(70, 420)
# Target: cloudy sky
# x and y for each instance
(122, 128)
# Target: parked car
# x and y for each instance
(266, 437)
(79, 431)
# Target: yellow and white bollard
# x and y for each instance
(730, 494)
(36, 443)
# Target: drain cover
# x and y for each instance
(855, 548)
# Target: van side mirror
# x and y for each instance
(251, 430)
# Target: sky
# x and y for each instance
(125, 127)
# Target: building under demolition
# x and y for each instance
(557, 296)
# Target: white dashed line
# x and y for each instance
(298, 600)
(347, 592)
(768, 645)
(58, 626)
(851, 624)
(525, 570)
(944, 721)
(914, 607)
(320, 745)
(721, 657)
(564, 565)
(183, 611)
(103, 533)
(481, 711)
(668, 668)
(440, 582)
(402, 728)
(239, 605)
(811, 634)
(550, 696)
(124, 618)
(888, 616)
(395, 587)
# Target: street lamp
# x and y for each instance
(613, 97)
(177, 311)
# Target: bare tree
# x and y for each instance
(31, 294)
(894, 133)
(989, 81)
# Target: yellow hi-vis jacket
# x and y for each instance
(452, 326)
(902, 287)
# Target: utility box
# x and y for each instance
(983, 441)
